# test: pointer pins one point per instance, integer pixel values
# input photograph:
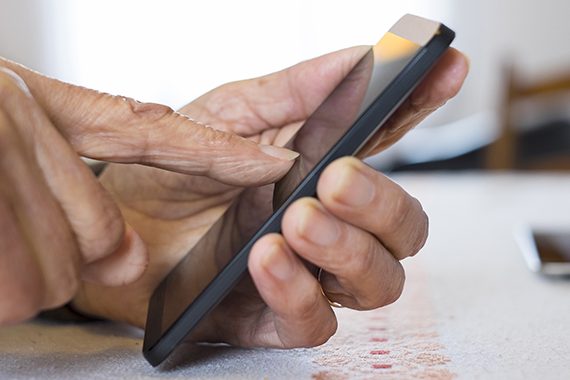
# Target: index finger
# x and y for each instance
(119, 129)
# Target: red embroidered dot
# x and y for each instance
(379, 340)
(382, 366)
(379, 352)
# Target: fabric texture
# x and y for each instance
(470, 308)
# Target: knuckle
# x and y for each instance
(323, 333)
(372, 299)
(104, 236)
(106, 114)
(422, 235)
(318, 321)
(319, 331)
(394, 288)
(308, 307)
(146, 113)
(362, 262)
(151, 112)
(218, 139)
(397, 212)
(388, 290)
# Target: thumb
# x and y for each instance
(119, 129)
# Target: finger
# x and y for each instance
(366, 275)
(442, 83)
(292, 95)
(123, 265)
(277, 99)
(301, 315)
(119, 129)
(38, 228)
(361, 196)
(96, 221)
(21, 296)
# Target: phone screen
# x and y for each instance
(553, 247)
(183, 296)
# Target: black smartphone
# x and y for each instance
(349, 116)
(546, 251)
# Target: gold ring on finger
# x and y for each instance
(332, 303)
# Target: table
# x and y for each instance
(470, 309)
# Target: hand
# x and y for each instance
(59, 225)
(356, 234)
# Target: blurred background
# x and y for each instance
(513, 111)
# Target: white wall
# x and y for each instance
(21, 23)
(535, 35)
(173, 50)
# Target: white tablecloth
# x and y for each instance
(471, 308)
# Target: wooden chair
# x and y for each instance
(506, 152)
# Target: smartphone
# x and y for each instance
(340, 126)
(546, 251)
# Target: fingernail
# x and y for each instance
(277, 152)
(318, 227)
(278, 263)
(354, 188)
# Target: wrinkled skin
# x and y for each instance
(105, 243)
(281, 307)
(59, 224)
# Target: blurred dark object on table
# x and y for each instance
(534, 130)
